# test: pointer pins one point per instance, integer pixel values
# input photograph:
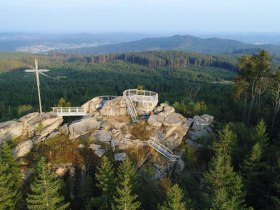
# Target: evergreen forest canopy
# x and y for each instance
(241, 171)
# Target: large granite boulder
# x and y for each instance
(155, 120)
(208, 118)
(83, 127)
(94, 147)
(10, 130)
(23, 148)
(42, 125)
(113, 123)
(120, 156)
(115, 107)
(164, 110)
(28, 117)
(100, 152)
(103, 136)
(196, 134)
(173, 119)
(199, 123)
(92, 105)
(202, 126)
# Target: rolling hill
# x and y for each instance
(182, 43)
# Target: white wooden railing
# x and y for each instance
(69, 111)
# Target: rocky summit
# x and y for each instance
(106, 129)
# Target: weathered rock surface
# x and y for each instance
(30, 125)
(103, 136)
(83, 127)
(164, 110)
(23, 148)
(28, 117)
(100, 152)
(208, 118)
(42, 125)
(115, 107)
(120, 156)
(199, 123)
(155, 120)
(94, 147)
(174, 120)
(10, 130)
(113, 123)
(196, 134)
(201, 127)
(91, 106)
(175, 126)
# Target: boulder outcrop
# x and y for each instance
(201, 126)
(42, 125)
(156, 120)
(114, 107)
(23, 148)
(10, 130)
(92, 105)
(173, 120)
(110, 128)
(168, 127)
(31, 125)
(83, 127)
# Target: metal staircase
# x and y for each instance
(163, 150)
(130, 108)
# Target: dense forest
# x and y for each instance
(240, 169)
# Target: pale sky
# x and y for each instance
(146, 16)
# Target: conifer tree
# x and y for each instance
(8, 196)
(174, 199)
(105, 182)
(45, 190)
(126, 199)
(10, 160)
(86, 190)
(223, 186)
(255, 169)
(276, 186)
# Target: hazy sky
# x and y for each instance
(148, 16)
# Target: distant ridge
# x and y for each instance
(177, 42)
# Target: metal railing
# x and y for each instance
(69, 111)
(160, 148)
(108, 97)
(141, 95)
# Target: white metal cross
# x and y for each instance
(37, 72)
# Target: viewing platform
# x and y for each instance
(139, 101)
(69, 111)
(142, 97)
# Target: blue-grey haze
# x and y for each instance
(147, 16)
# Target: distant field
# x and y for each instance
(4, 55)
(10, 60)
